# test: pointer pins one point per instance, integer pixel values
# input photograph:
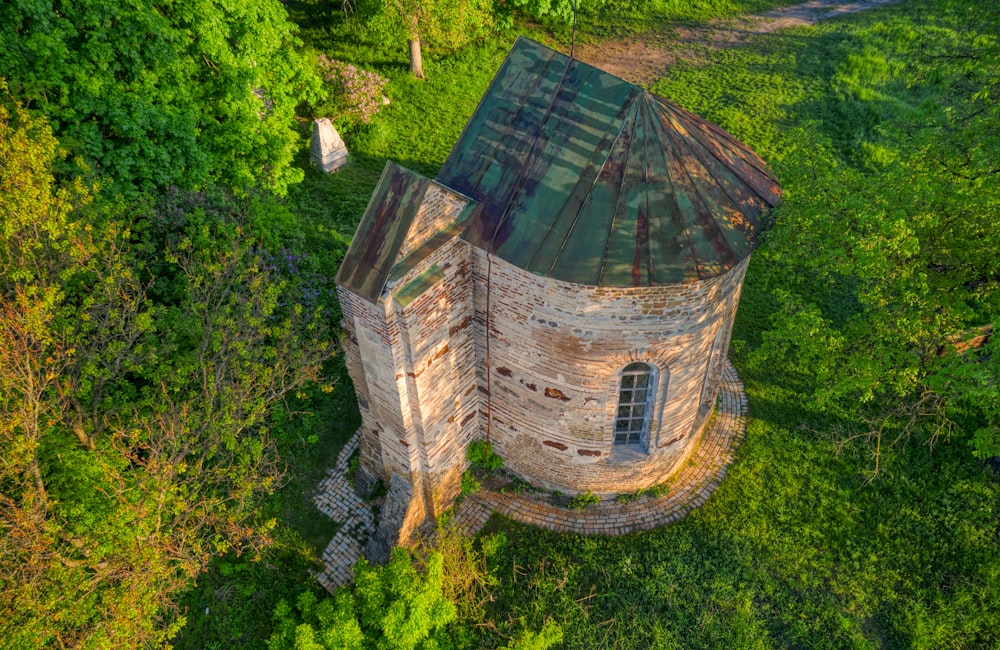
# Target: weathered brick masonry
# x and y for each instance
(411, 357)
(418, 359)
(557, 352)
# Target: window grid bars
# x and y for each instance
(633, 405)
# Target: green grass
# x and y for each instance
(623, 19)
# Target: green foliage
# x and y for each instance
(654, 492)
(517, 485)
(795, 548)
(391, 607)
(629, 497)
(435, 600)
(350, 95)
(557, 10)
(447, 25)
(548, 636)
(223, 611)
(470, 484)
(480, 455)
(883, 248)
(135, 416)
(621, 17)
(163, 93)
(971, 385)
(583, 500)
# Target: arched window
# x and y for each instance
(635, 398)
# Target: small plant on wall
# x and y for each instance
(481, 456)
(470, 484)
(583, 500)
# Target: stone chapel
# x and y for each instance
(564, 288)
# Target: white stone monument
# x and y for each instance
(326, 148)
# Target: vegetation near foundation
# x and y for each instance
(169, 399)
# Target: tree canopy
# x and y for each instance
(141, 350)
(446, 24)
(159, 92)
(885, 258)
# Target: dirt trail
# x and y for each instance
(642, 59)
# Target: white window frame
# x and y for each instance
(634, 406)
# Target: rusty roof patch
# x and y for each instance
(382, 230)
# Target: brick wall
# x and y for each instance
(556, 354)
(412, 360)
(440, 207)
(436, 339)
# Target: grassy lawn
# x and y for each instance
(796, 548)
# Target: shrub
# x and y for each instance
(392, 607)
(470, 485)
(480, 455)
(352, 94)
(582, 500)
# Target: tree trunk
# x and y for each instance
(416, 62)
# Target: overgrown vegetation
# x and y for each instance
(583, 501)
(142, 351)
(654, 492)
(881, 127)
(412, 602)
(155, 94)
(480, 455)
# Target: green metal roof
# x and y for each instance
(373, 258)
(589, 179)
(577, 175)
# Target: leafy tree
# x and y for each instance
(133, 412)
(556, 10)
(395, 607)
(159, 92)
(391, 607)
(887, 253)
(446, 24)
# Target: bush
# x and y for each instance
(470, 485)
(352, 95)
(480, 455)
(582, 500)
(389, 607)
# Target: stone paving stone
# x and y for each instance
(337, 499)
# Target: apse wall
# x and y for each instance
(556, 352)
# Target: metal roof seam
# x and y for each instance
(709, 223)
(521, 178)
(621, 186)
(593, 184)
(676, 216)
(739, 149)
(647, 182)
(703, 153)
